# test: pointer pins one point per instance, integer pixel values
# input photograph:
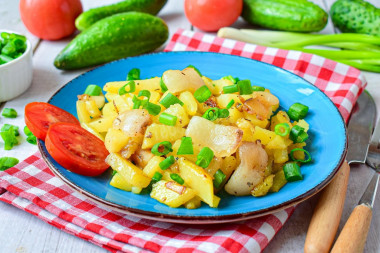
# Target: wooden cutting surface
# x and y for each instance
(22, 232)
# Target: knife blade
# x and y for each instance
(327, 214)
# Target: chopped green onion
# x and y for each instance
(297, 111)
(197, 70)
(223, 113)
(9, 113)
(148, 189)
(114, 172)
(202, 94)
(163, 86)
(157, 176)
(133, 74)
(258, 88)
(7, 162)
(292, 172)
(219, 177)
(5, 59)
(231, 78)
(211, 114)
(9, 138)
(230, 104)
(167, 119)
(132, 88)
(165, 164)
(27, 132)
(162, 148)
(230, 89)
(297, 134)
(282, 129)
(169, 100)
(153, 109)
(137, 102)
(205, 157)
(245, 87)
(93, 90)
(31, 139)
(186, 147)
(144, 93)
(6, 127)
(301, 161)
(177, 178)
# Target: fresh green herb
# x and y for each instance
(197, 70)
(6, 127)
(204, 157)
(9, 137)
(114, 172)
(211, 114)
(308, 159)
(12, 46)
(163, 86)
(144, 93)
(93, 90)
(167, 119)
(230, 89)
(186, 147)
(223, 113)
(30, 136)
(219, 177)
(162, 148)
(231, 78)
(169, 100)
(177, 178)
(133, 74)
(165, 164)
(258, 88)
(245, 87)
(7, 162)
(230, 104)
(292, 171)
(282, 129)
(157, 176)
(297, 111)
(9, 113)
(202, 94)
(132, 88)
(153, 109)
(297, 134)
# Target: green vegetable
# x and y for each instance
(186, 147)
(12, 46)
(133, 74)
(132, 88)
(9, 113)
(7, 162)
(165, 164)
(167, 119)
(8, 134)
(297, 134)
(177, 178)
(282, 129)
(115, 37)
(157, 176)
(297, 111)
(286, 15)
(204, 157)
(219, 177)
(202, 94)
(292, 172)
(196, 69)
(361, 51)
(230, 89)
(308, 159)
(356, 16)
(88, 18)
(6, 127)
(93, 90)
(245, 87)
(230, 104)
(211, 114)
(162, 148)
(169, 100)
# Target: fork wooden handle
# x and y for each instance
(326, 217)
(354, 234)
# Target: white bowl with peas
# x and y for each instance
(16, 69)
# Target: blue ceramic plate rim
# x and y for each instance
(197, 215)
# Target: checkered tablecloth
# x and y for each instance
(32, 187)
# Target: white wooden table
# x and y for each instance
(21, 232)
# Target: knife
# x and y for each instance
(326, 217)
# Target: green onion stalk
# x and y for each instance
(361, 51)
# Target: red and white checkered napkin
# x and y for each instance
(32, 187)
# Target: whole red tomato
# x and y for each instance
(50, 19)
(210, 15)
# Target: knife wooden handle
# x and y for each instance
(326, 217)
(354, 234)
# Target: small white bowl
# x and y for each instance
(16, 75)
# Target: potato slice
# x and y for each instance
(171, 193)
(186, 80)
(156, 133)
(223, 140)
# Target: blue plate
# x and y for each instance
(327, 142)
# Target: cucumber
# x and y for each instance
(118, 36)
(356, 16)
(88, 18)
(285, 15)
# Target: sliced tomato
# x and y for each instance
(76, 149)
(39, 116)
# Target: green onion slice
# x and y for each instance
(7, 162)
(167, 119)
(186, 147)
(204, 157)
(169, 100)
(258, 88)
(9, 113)
(177, 178)
(153, 109)
(223, 113)
(132, 88)
(197, 70)
(157, 176)
(9, 138)
(114, 172)
(163, 86)
(230, 89)
(144, 93)
(93, 90)
(297, 134)
(292, 172)
(137, 103)
(165, 164)
(14, 128)
(211, 114)
(230, 104)
(231, 78)
(162, 148)
(31, 139)
(282, 129)
(202, 94)
(245, 87)
(133, 74)
(297, 111)
(219, 177)
(308, 159)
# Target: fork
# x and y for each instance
(354, 233)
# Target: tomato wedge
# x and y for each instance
(76, 149)
(39, 116)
